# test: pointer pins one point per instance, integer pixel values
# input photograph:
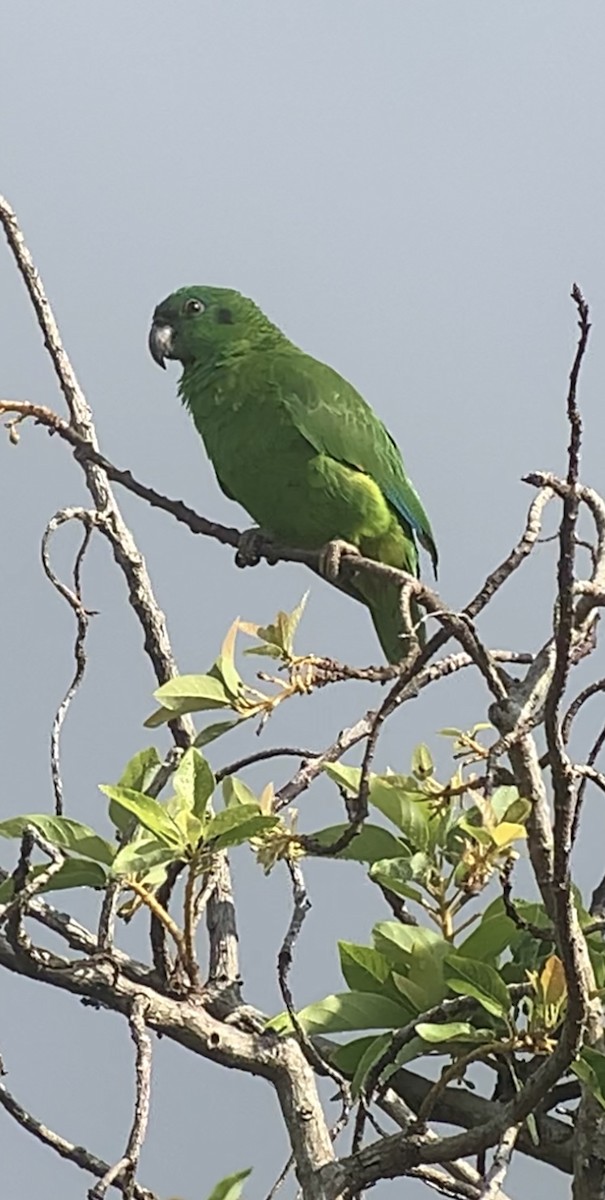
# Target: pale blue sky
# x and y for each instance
(409, 190)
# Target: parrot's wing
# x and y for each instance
(336, 420)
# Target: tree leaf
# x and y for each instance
(192, 693)
(449, 1031)
(370, 1056)
(225, 665)
(404, 809)
(233, 826)
(64, 833)
(160, 717)
(148, 812)
(505, 833)
(590, 1069)
(194, 782)
(212, 732)
(235, 791)
(552, 981)
(413, 992)
(74, 873)
(415, 1048)
(140, 769)
(363, 968)
(347, 777)
(400, 943)
(137, 774)
(280, 633)
(344, 1013)
(394, 873)
(468, 977)
(371, 843)
(348, 1056)
(230, 1188)
(422, 762)
(489, 939)
(423, 983)
(139, 858)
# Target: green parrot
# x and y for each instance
(295, 444)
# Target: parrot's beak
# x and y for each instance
(161, 340)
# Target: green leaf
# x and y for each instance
(264, 651)
(138, 858)
(364, 969)
(194, 782)
(394, 873)
(348, 778)
(235, 791)
(280, 633)
(148, 812)
(404, 809)
(192, 693)
(348, 1056)
(371, 843)
(212, 732)
(225, 667)
(346, 1012)
(449, 1031)
(138, 774)
(413, 992)
(230, 1188)
(64, 833)
(191, 827)
(468, 977)
(160, 717)
(371, 1055)
(401, 943)
(422, 762)
(140, 770)
(415, 1048)
(590, 1070)
(74, 873)
(233, 826)
(489, 939)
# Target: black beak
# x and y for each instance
(161, 339)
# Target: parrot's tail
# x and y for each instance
(394, 634)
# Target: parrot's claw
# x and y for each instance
(330, 558)
(252, 543)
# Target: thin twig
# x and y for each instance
(74, 599)
(301, 907)
(588, 772)
(68, 1150)
(189, 925)
(281, 1178)
(107, 917)
(26, 883)
(562, 775)
(261, 756)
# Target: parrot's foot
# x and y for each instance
(251, 544)
(330, 558)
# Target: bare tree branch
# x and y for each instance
(501, 1162)
(76, 1154)
(126, 1168)
(74, 599)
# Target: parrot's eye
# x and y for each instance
(194, 306)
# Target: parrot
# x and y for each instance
(296, 446)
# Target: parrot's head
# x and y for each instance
(198, 325)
